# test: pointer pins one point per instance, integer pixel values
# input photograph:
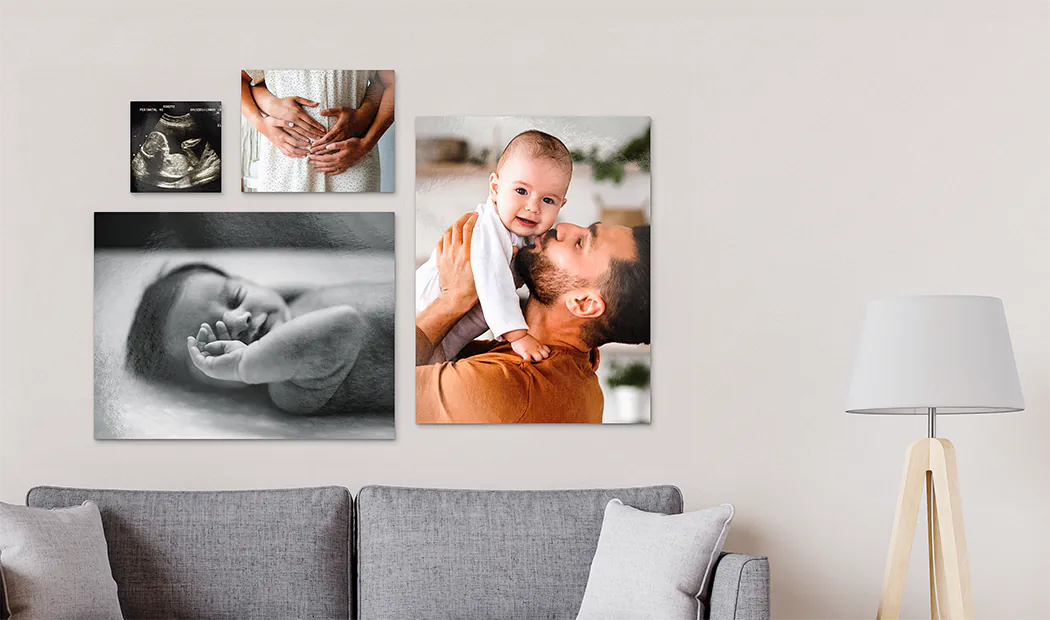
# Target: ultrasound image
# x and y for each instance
(175, 146)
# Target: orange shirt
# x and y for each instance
(497, 386)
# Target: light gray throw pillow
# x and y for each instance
(54, 563)
(652, 565)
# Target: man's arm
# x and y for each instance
(431, 326)
(458, 294)
(273, 128)
(383, 99)
(249, 106)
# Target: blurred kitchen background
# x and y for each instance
(610, 184)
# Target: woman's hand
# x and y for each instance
(349, 123)
(290, 110)
(455, 277)
(337, 157)
(274, 130)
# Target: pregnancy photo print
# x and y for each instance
(175, 146)
(244, 326)
(317, 130)
(532, 270)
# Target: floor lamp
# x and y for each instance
(933, 355)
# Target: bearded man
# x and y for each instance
(588, 287)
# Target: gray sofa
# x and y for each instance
(391, 554)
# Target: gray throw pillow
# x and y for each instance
(652, 565)
(54, 564)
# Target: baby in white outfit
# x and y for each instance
(525, 195)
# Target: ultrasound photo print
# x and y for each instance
(175, 146)
(244, 325)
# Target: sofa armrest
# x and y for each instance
(740, 589)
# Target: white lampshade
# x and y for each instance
(951, 352)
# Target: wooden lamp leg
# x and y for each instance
(930, 544)
(958, 599)
(938, 557)
(933, 460)
(915, 465)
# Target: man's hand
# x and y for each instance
(349, 123)
(337, 157)
(530, 349)
(218, 359)
(456, 281)
(455, 276)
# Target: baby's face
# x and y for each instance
(155, 144)
(248, 310)
(528, 193)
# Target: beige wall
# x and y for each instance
(807, 158)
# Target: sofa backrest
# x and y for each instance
(223, 554)
(433, 553)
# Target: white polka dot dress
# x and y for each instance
(330, 88)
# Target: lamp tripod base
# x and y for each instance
(930, 463)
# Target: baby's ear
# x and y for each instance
(493, 185)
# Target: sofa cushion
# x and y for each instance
(54, 564)
(433, 553)
(654, 565)
(224, 554)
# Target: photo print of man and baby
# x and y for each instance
(532, 282)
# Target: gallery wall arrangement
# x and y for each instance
(560, 241)
(244, 325)
(376, 356)
(563, 208)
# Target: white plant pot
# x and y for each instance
(631, 405)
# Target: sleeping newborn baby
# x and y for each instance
(321, 352)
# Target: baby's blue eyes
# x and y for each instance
(549, 201)
(521, 190)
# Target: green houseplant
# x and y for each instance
(634, 374)
(614, 167)
(628, 384)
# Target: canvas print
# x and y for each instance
(532, 270)
(175, 146)
(244, 325)
(317, 130)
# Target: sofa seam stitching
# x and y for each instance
(740, 574)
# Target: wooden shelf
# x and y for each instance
(459, 169)
(615, 349)
(448, 169)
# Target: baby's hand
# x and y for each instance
(530, 349)
(219, 359)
